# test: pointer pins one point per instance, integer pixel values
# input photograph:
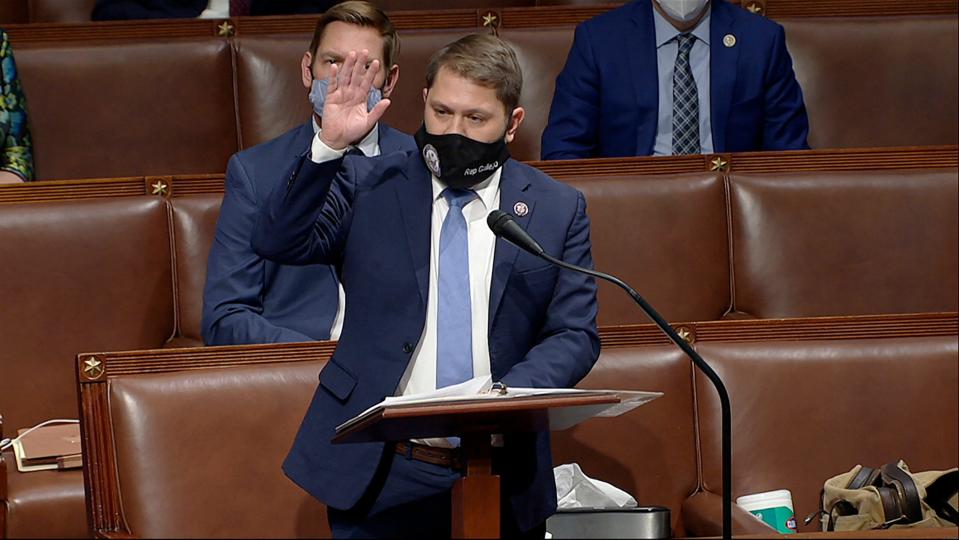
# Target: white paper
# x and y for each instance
(576, 490)
(479, 388)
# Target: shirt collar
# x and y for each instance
(487, 189)
(368, 145)
(666, 31)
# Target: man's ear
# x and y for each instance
(392, 76)
(425, 92)
(306, 70)
(515, 120)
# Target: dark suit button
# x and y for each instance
(407, 347)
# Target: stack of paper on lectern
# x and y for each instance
(482, 389)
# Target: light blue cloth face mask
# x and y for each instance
(318, 96)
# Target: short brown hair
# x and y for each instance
(485, 60)
(362, 14)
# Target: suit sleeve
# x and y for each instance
(306, 219)
(568, 343)
(232, 297)
(572, 131)
(785, 124)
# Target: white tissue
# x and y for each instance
(576, 490)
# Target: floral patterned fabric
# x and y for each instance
(16, 150)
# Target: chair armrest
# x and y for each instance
(703, 516)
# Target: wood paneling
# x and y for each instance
(860, 159)
(509, 17)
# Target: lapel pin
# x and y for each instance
(729, 40)
(520, 209)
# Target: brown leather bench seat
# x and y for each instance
(75, 275)
(217, 421)
(127, 272)
(130, 107)
(115, 106)
(803, 412)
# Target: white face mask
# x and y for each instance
(683, 10)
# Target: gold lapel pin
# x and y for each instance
(729, 40)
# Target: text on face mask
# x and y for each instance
(481, 169)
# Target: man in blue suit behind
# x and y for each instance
(434, 297)
(248, 299)
(667, 77)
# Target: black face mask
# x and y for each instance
(460, 162)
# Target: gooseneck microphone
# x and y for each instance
(503, 226)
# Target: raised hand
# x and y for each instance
(345, 118)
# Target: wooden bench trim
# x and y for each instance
(467, 18)
(841, 159)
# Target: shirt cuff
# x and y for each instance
(321, 153)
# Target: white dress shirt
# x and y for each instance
(420, 375)
(216, 9)
(370, 146)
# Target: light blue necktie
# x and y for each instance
(685, 101)
(454, 316)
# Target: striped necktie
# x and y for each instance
(685, 101)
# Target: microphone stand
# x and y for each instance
(700, 363)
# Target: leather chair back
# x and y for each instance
(803, 412)
(271, 98)
(845, 243)
(877, 81)
(194, 225)
(649, 452)
(84, 275)
(542, 54)
(199, 452)
(666, 237)
(59, 11)
(136, 108)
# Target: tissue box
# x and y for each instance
(638, 522)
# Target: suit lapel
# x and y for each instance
(722, 70)
(303, 139)
(514, 189)
(388, 140)
(641, 47)
(415, 198)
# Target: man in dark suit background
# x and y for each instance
(434, 297)
(246, 298)
(664, 77)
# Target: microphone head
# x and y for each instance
(496, 220)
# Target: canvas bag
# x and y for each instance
(889, 497)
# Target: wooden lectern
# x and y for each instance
(476, 496)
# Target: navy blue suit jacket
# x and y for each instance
(246, 298)
(371, 218)
(606, 102)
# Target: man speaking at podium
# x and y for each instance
(435, 298)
